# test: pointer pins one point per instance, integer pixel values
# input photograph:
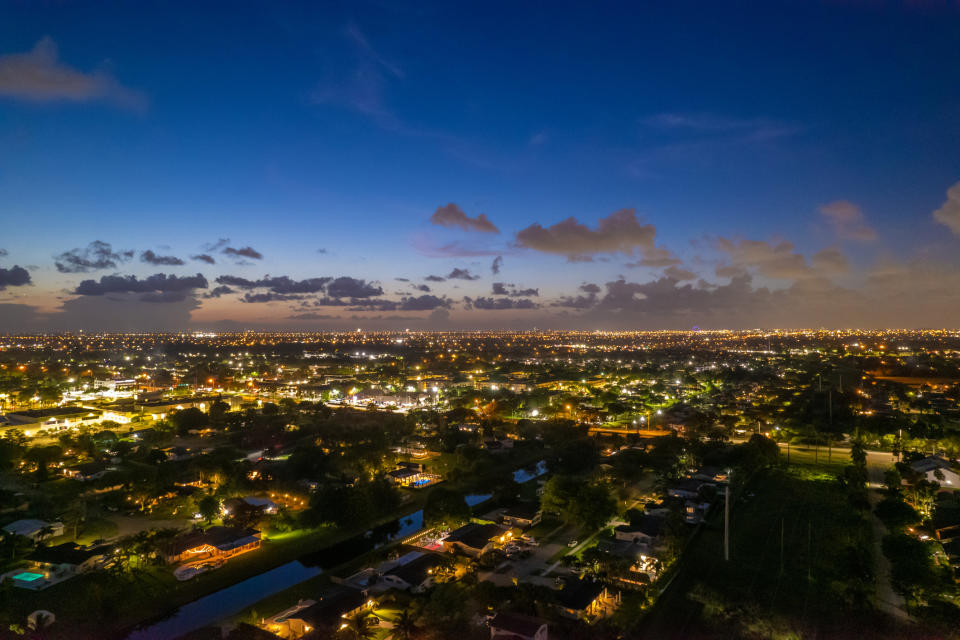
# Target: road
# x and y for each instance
(888, 600)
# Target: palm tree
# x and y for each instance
(404, 627)
(360, 627)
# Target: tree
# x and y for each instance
(404, 626)
(589, 505)
(188, 419)
(43, 457)
(360, 627)
(445, 508)
(209, 507)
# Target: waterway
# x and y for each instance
(229, 601)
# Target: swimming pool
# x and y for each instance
(26, 576)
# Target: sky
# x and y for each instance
(313, 166)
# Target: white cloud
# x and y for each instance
(949, 213)
(40, 76)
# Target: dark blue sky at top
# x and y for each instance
(294, 126)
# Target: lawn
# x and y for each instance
(817, 583)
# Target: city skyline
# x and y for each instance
(307, 168)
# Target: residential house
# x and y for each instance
(513, 626)
(58, 563)
(686, 488)
(416, 575)
(932, 466)
(475, 539)
(523, 515)
(586, 598)
(35, 529)
(645, 531)
(322, 618)
(212, 543)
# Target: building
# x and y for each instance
(523, 515)
(932, 466)
(322, 617)
(513, 626)
(416, 575)
(35, 529)
(33, 421)
(645, 531)
(476, 539)
(213, 543)
(586, 598)
(59, 563)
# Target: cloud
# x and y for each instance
(425, 245)
(150, 257)
(656, 257)
(451, 215)
(97, 255)
(312, 315)
(159, 283)
(39, 76)
(269, 296)
(322, 250)
(676, 273)
(346, 287)
(830, 262)
(499, 304)
(204, 257)
(620, 232)
(16, 276)
(949, 213)
(216, 292)
(243, 252)
(421, 287)
(433, 278)
(777, 261)
(461, 274)
(503, 289)
(423, 303)
(496, 265)
(757, 129)
(276, 284)
(361, 87)
(4, 253)
(848, 221)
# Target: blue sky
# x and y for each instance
(750, 137)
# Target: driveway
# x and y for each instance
(888, 600)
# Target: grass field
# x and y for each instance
(817, 583)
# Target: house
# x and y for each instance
(523, 515)
(710, 474)
(494, 445)
(686, 488)
(264, 505)
(513, 626)
(213, 543)
(931, 466)
(415, 575)
(61, 562)
(695, 511)
(322, 617)
(645, 531)
(87, 471)
(412, 476)
(586, 598)
(475, 539)
(35, 529)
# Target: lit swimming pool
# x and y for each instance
(26, 576)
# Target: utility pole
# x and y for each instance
(781, 546)
(726, 519)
